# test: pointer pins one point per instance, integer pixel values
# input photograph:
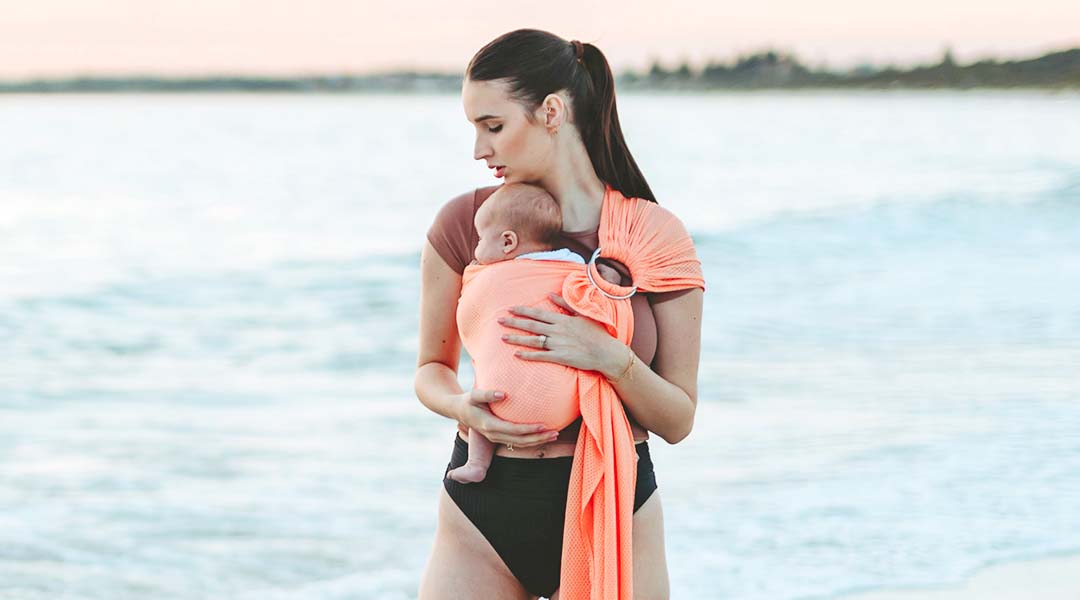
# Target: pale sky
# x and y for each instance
(195, 37)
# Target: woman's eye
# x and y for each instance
(495, 129)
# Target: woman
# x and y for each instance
(544, 112)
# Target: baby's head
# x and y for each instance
(518, 218)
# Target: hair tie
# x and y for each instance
(579, 49)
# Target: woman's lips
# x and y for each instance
(499, 171)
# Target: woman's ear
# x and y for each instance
(509, 241)
(552, 112)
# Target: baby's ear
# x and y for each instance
(509, 241)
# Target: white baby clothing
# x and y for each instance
(563, 254)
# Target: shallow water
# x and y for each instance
(208, 313)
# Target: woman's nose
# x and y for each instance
(481, 150)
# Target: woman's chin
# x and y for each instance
(513, 178)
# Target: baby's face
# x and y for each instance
(493, 243)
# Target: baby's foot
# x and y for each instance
(468, 473)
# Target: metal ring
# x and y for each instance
(543, 341)
(588, 272)
(510, 447)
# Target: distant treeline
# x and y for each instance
(773, 69)
(763, 70)
(396, 82)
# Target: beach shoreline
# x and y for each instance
(1051, 578)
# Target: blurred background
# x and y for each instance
(211, 215)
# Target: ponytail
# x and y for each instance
(537, 63)
(603, 135)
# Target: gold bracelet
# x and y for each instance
(629, 365)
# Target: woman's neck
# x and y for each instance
(576, 187)
(580, 206)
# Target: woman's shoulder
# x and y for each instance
(662, 243)
(452, 233)
(642, 206)
(466, 203)
(660, 217)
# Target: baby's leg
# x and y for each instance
(480, 451)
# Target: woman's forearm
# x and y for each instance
(438, 389)
(657, 404)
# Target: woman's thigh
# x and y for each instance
(463, 564)
(650, 561)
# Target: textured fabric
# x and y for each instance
(536, 392)
(453, 236)
(657, 250)
(654, 245)
(520, 508)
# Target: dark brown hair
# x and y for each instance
(537, 63)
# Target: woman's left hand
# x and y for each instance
(572, 340)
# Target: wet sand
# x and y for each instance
(1046, 579)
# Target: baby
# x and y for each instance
(517, 222)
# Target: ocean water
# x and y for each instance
(208, 323)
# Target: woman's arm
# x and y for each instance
(436, 381)
(663, 399)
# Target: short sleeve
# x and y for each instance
(451, 232)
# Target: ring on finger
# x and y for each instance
(543, 341)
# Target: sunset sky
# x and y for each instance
(69, 37)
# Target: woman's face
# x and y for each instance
(514, 147)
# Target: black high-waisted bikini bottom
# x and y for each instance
(520, 507)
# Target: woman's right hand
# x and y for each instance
(475, 413)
